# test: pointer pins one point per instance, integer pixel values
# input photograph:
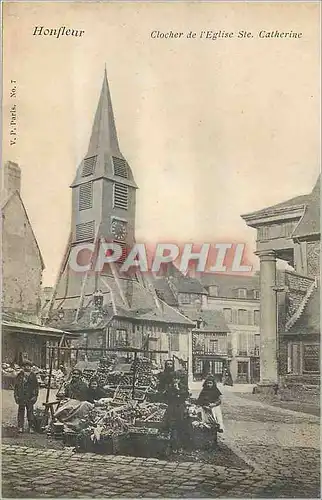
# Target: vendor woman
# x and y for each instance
(94, 391)
(210, 400)
(176, 419)
(76, 388)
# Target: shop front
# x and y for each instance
(205, 364)
(303, 358)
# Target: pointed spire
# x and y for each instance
(104, 135)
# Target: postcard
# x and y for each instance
(160, 195)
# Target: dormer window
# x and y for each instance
(242, 293)
(89, 166)
(256, 294)
(120, 167)
(184, 298)
(214, 291)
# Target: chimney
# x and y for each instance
(11, 179)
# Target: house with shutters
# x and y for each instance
(226, 311)
(109, 308)
(290, 301)
(237, 298)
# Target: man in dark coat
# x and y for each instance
(26, 390)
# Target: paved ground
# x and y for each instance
(279, 446)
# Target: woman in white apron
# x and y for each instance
(210, 401)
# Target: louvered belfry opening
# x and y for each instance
(120, 196)
(86, 196)
(89, 166)
(120, 167)
(85, 231)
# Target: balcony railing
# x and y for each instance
(204, 351)
(248, 352)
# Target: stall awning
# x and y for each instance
(34, 329)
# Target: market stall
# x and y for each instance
(130, 420)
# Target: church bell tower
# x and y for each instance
(104, 190)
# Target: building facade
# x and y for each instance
(22, 263)
(238, 299)
(290, 317)
(22, 268)
(227, 310)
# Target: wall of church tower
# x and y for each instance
(83, 216)
(109, 211)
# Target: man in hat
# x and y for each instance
(26, 390)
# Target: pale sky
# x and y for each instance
(211, 128)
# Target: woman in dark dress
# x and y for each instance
(176, 420)
(210, 401)
(94, 392)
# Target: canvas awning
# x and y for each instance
(34, 329)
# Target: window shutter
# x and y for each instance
(85, 196)
(89, 166)
(85, 231)
(120, 196)
(120, 167)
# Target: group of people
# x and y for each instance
(26, 392)
(173, 390)
(79, 390)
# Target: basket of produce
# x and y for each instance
(147, 442)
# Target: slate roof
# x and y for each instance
(213, 321)
(123, 298)
(186, 284)
(164, 291)
(103, 144)
(8, 323)
(5, 203)
(309, 321)
(292, 202)
(310, 221)
(228, 284)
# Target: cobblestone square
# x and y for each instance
(276, 454)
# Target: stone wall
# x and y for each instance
(22, 264)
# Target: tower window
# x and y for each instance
(120, 167)
(89, 166)
(85, 196)
(121, 193)
(85, 231)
